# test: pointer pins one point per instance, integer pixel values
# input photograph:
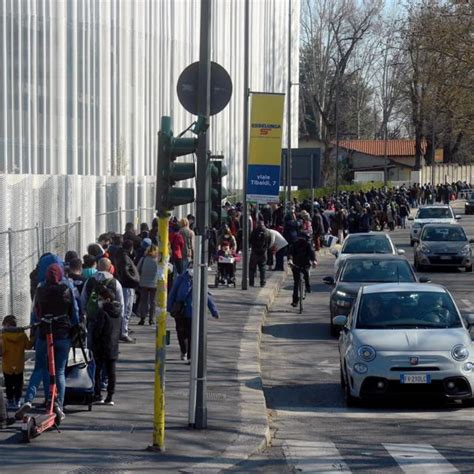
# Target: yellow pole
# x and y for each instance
(160, 345)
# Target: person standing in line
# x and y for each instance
(148, 270)
(177, 245)
(106, 329)
(13, 344)
(180, 306)
(188, 236)
(260, 241)
(127, 275)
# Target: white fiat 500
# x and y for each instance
(406, 339)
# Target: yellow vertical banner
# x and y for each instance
(266, 121)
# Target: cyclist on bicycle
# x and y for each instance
(300, 257)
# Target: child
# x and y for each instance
(226, 264)
(105, 334)
(13, 344)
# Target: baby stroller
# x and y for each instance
(225, 274)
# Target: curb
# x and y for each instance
(255, 434)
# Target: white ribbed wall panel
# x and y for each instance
(83, 83)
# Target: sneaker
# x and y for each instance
(98, 400)
(263, 283)
(108, 401)
(23, 410)
(127, 339)
(151, 322)
(59, 412)
(308, 289)
(183, 356)
(141, 322)
(294, 304)
(7, 422)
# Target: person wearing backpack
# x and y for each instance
(260, 241)
(127, 275)
(106, 329)
(90, 297)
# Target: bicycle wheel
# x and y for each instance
(301, 293)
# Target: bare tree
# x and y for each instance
(331, 32)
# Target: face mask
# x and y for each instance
(191, 272)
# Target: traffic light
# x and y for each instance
(217, 191)
(168, 172)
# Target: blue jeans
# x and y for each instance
(61, 354)
(128, 297)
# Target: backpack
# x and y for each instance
(259, 241)
(92, 305)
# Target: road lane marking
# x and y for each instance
(464, 414)
(419, 458)
(314, 456)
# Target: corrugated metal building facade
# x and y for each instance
(83, 83)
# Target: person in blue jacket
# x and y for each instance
(182, 293)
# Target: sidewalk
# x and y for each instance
(115, 438)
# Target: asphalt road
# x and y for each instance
(312, 429)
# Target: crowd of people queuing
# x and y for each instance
(99, 293)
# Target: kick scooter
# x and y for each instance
(34, 425)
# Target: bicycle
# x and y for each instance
(301, 284)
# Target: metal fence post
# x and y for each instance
(67, 236)
(38, 245)
(79, 235)
(10, 267)
(43, 237)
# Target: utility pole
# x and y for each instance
(245, 227)
(336, 107)
(202, 210)
(433, 150)
(288, 116)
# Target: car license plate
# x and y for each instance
(444, 257)
(415, 378)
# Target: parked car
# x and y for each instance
(469, 205)
(357, 270)
(430, 215)
(365, 243)
(443, 246)
(406, 339)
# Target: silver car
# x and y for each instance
(443, 245)
(406, 339)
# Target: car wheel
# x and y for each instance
(469, 268)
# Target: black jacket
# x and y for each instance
(260, 240)
(125, 270)
(301, 253)
(106, 332)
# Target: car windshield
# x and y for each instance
(377, 271)
(443, 234)
(367, 244)
(434, 213)
(407, 310)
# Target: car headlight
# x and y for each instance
(360, 368)
(424, 249)
(466, 250)
(460, 352)
(342, 294)
(367, 353)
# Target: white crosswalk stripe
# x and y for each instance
(419, 459)
(314, 456)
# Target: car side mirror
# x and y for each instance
(471, 241)
(458, 217)
(339, 321)
(424, 279)
(329, 280)
(469, 320)
(410, 218)
(400, 252)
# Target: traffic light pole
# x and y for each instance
(202, 208)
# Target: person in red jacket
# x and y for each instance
(177, 245)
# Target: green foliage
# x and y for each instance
(302, 194)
